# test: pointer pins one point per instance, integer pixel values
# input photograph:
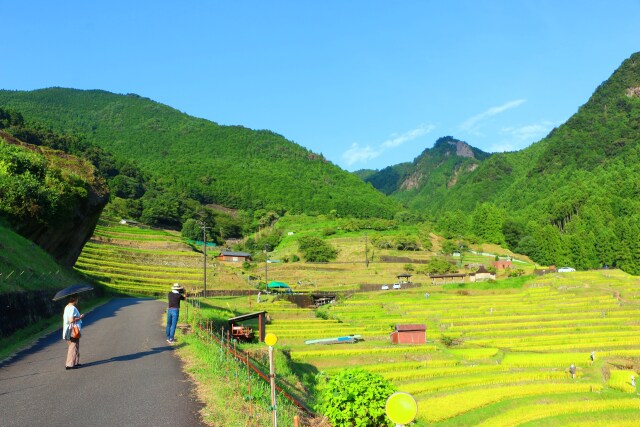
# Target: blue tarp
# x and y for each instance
(200, 242)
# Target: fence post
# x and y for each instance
(271, 339)
(249, 388)
(186, 306)
(236, 366)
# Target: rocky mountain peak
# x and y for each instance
(446, 145)
(462, 149)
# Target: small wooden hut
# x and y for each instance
(482, 274)
(230, 256)
(409, 334)
(404, 278)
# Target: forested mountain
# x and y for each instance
(433, 171)
(572, 198)
(198, 159)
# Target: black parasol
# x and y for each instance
(70, 290)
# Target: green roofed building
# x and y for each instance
(278, 287)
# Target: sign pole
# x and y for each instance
(270, 339)
(272, 377)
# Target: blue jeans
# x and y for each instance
(172, 322)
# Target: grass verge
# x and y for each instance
(232, 396)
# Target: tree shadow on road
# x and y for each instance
(132, 356)
(109, 309)
(112, 307)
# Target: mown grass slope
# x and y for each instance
(26, 267)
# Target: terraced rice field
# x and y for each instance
(141, 260)
(509, 351)
(144, 260)
(147, 261)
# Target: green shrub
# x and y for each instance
(448, 247)
(191, 230)
(34, 191)
(356, 398)
(426, 243)
(438, 266)
(322, 314)
(383, 242)
(449, 341)
(328, 231)
(515, 272)
(407, 243)
(315, 249)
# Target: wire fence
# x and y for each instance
(249, 376)
(31, 279)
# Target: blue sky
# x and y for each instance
(366, 83)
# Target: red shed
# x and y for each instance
(409, 334)
(502, 264)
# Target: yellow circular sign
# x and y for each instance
(401, 408)
(270, 339)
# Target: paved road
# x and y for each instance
(129, 377)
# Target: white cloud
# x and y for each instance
(519, 137)
(407, 136)
(470, 123)
(357, 154)
(531, 132)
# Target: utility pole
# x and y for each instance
(366, 250)
(204, 228)
(266, 262)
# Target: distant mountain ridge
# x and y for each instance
(603, 135)
(230, 166)
(572, 198)
(443, 164)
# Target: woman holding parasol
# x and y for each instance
(71, 317)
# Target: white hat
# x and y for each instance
(176, 287)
